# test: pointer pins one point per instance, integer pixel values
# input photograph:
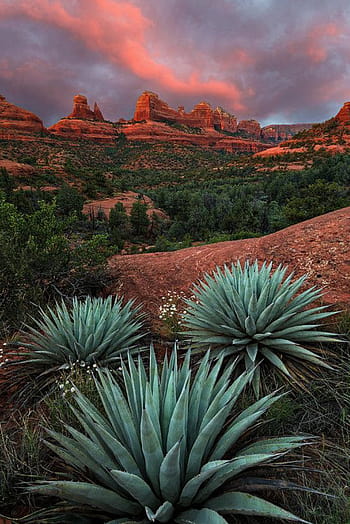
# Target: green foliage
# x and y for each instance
(94, 331)
(69, 201)
(155, 452)
(256, 316)
(38, 261)
(139, 219)
(119, 225)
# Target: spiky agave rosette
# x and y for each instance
(94, 331)
(258, 316)
(157, 451)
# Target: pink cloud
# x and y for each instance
(118, 30)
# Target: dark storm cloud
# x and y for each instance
(274, 60)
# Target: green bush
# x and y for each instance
(255, 315)
(156, 451)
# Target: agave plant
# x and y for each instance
(156, 452)
(94, 332)
(258, 316)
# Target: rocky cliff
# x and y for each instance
(150, 107)
(85, 123)
(16, 122)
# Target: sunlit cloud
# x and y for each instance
(257, 59)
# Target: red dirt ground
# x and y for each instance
(319, 247)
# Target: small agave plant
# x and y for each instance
(94, 332)
(157, 451)
(257, 316)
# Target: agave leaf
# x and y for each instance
(137, 488)
(200, 516)
(91, 494)
(170, 474)
(232, 434)
(178, 422)
(152, 450)
(275, 360)
(191, 488)
(275, 445)
(247, 504)
(163, 513)
(231, 470)
(79, 455)
(204, 441)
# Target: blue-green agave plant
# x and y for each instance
(258, 316)
(160, 449)
(93, 332)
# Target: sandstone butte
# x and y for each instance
(16, 122)
(85, 123)
(318, 247)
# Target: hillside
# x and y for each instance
(318, 247)
(332, 136)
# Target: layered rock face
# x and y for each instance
(250, 127)
(278, 132)
(85, 123)
(150, 107)
(16, 122)
(81, 110)
(343, 116)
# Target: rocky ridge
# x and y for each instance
(333, 136)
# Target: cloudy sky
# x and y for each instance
(279, 61)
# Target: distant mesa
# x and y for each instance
(16, 122)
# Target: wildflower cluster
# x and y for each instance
(78, 372)
(3, 360)
(171, 312)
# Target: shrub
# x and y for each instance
(156, 452)
(95, 331)
(256, 316)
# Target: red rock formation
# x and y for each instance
(224, 121)
(16, 169)
(82, 111)
(343, 116)
(150, 107)
(75, 128)
(16, 122)
(318, 247)
(98, 113)
(278, 132)
(85, 123)
(250, 127)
